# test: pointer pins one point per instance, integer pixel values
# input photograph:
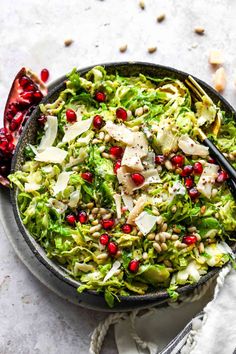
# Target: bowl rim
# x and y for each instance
(37, 250)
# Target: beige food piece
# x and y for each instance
(219, 79)
(215, 57)
(199, 30)
(68, 42)
(152, 50)
(161, 17)
(123, 48)
(120, 133)
(141, 202)
(142, 4)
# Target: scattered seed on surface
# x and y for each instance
(199, 30)
(102, 148)
(135, 129)
(142, 5)
(123, 48)
(91, 217)
(219, 79)
(152, 50)
(215, 57)
(161, 17)
(157, 246)
(89, 205)
(68, 42)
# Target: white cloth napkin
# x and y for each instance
(215, 335)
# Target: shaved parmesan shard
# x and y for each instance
(117, 198)
(166, 140)
(51, 154)
(74, 199)
(207, 179)
(133, 154)
(31, 187)
(145, 222)
(62, 182)
(124, 178)
(112, 271)
(128, 201)
(76, 129)
(51, 133)
(151, 176)
(189, 147)
(139, 206)
(56, 204)
(120, 133)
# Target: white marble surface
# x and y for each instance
(33, 319)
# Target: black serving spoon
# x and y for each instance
(198, 92)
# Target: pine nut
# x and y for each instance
(101, 135)
(123, 48)
(140, 233)
(164, 227)
(155, 211)
(151, 236)
(91, 217)
(192, 229)
(159, 168)
(89, 205)
(152, 50)
(102, 256)
(174, 237)
(174, 209)
(182, 245)
(167, 235)
(94, 222)
(157, 237)
(95, 228)
(167, 263)
(199, 30)
(142, 4)
(159, 220)
(145, 108)
(95, 210)
(157, 247)
(161, 18)
(138, 112)
(168, 165)
(177, 230)
(102, 148)
(162, 237)
(170, 270)
(105, 155)
(201, 247)
(103, 211)
(231, 157)
(198, 236)
(96, 234)
(214, 192)
(203, 209)
(107, 138)
(107, 216)
(164, 246)
(145, 255)
(96, 141)
(129, 113)
(177, 243)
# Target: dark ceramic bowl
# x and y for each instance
(91, 298)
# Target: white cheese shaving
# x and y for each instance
(74, 199)
(112, 271)
(120, 132)
(31, 187)
(133, 154)
(51, 128)
(139, 206)
(76, 129)
(117, 198)
(145, 222)
(56, 204)
(207, 179)
(189, 147)
(83, 267)
(51, 154)
(62, 182)
(128, 201)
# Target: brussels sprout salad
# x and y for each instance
(118, 189)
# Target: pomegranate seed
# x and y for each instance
(137, 178)
(133, 266)
(116, 151)
(82, 217)
(24, 81)
(108, 224)
(98, 122)
(37, 96)
(9, 137)
(121, 113)
(211, 160)
(112, 248)
(117, 166)
(178, 160)
(104, 239)
(189, 182)
(44, 75)
(71, 116)
(87, 176)
(27, 95)
(159, 159)
(222, 177)
(10, 147)
(189, 240)
(3, 144)
(71, 219)
(197, 168)
(187, 170)
(13, 108)
(30, 87)
(126, 228)
(193, 193)
(3, 132)
(100, 96)
(42, 120)
(16, 121)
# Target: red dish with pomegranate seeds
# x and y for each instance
(125, 196)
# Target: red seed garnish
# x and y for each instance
(116, 151)
(159, 159)
(137, 178)
(71, 116)
(197, 168)
(108, 224)
(104, 239)
(98, 122)
(82, 217)
(112, 248)
(117, 166)
(37, 95)
(193, 193)
(189, 182)
(16, 121)
(121, 113)
(100, 96)
(24, 81)
(178, 160)
(212, 160)
(27, 96)
(30, 87)
(71, 219)
(187, 170)
(87, 176)
(222, 177)
(42, 120)
(133, 266)
(126, 228)
(189, 239)
(44, 75)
